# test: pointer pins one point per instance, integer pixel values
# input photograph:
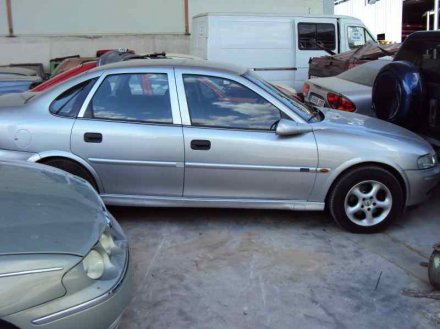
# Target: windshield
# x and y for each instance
(364, 74)
(306, 112)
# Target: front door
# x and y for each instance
(231, 148)
(130, 133)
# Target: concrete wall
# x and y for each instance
(385, 16)
(45, 29)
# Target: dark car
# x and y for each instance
(407, 90)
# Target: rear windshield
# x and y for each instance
(364, 74)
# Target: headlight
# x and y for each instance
(94, 265)
(107, 242)
(427, 161)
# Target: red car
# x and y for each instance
(64, 76)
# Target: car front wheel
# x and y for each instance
(366, 199)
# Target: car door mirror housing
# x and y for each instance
(287, 127)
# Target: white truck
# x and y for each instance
(277, 46)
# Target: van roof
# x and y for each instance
(273, 15)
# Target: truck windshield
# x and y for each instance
(306, 112)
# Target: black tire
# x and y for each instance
(72, 168)
(434, 269)
(361, 179)
(397, 95)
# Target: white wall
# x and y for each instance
(86, 17)
(47, 29)
(385, 16)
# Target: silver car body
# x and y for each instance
(355, 84)
(154, 165)
(50, 221)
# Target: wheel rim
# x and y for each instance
(368, 203)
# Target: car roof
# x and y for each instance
(174, 63)
(424, 35)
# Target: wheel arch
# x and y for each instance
(45, 156)
(398, 174)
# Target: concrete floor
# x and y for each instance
(227, 269)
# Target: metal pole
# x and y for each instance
(436, 14)
(185, 3)
(427, 21)
(9, 17)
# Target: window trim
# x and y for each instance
(77, 111)
(175, 112)
(221, 127)
(316, 25)
(184, 112)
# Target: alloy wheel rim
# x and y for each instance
(368, 203)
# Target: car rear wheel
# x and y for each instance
(366, 199)
(72, 168)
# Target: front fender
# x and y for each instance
(27, 280)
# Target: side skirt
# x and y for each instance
(159, 201)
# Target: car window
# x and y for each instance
(132, 97)
(314, 36)
(228, 104)
(357, 36)
(69, 102)
(364, 74)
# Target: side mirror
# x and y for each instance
(289, 128)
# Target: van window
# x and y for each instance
(315, 36)
(357, 36)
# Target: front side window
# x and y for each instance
(357, 36)
(132, 97)
(219, 102)
(316, 36)
(69, 102)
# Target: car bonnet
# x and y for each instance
(44, 210)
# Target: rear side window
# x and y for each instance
(315, 36)
(132, 97)
(69, 102)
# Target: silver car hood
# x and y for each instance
(45, 210)
(357, 124)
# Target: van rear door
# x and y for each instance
(311, 36)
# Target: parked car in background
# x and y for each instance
(64, 260)
(17, 79)
(198, 134)
(330, 66)
(277, 46)
(349, 91)
(63, 76)
(407, 91)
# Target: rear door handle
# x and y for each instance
(200, 144)
(92, 137)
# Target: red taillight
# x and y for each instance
(340, 103)
(306, 89)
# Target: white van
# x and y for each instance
(277, 46)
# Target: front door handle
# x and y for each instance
(200, 144)
(92, 137)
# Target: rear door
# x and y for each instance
(129, 130)
(312, 34)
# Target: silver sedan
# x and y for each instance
(64, 260)
(349, 91)
(187, 133)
